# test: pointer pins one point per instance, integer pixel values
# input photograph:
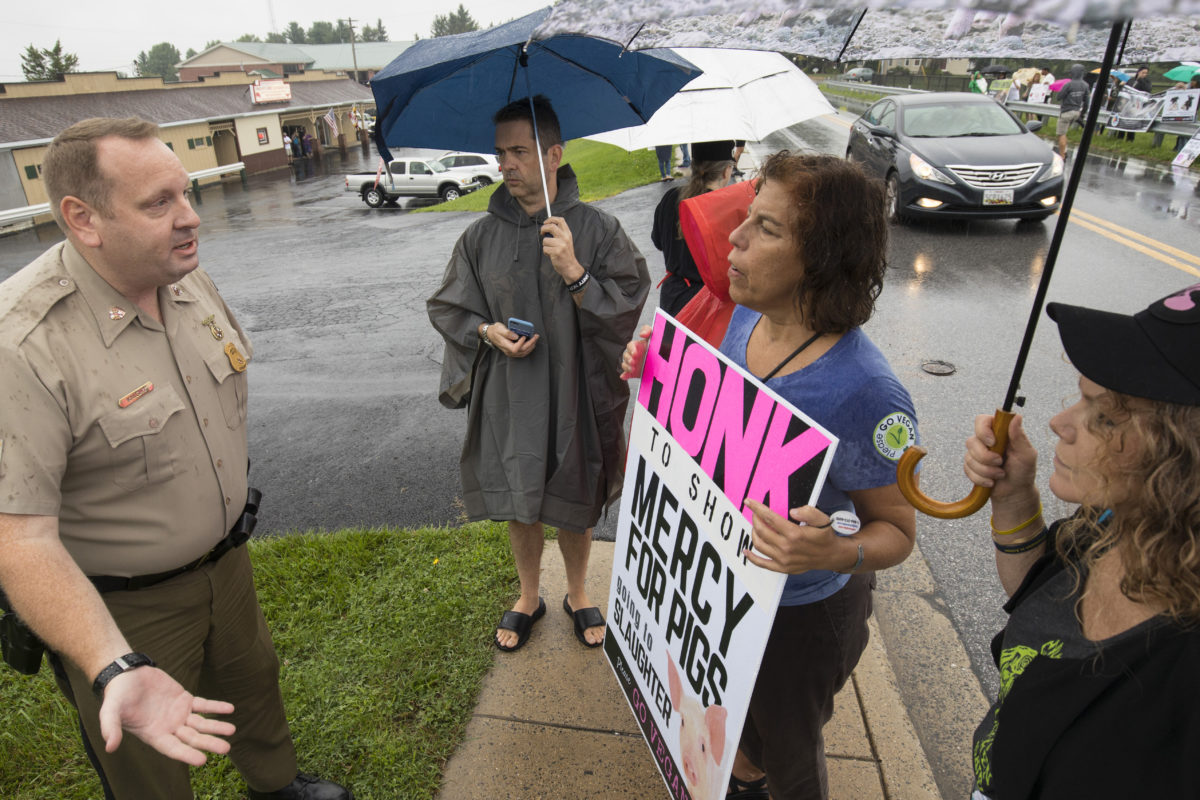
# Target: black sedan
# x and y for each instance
(955, 155)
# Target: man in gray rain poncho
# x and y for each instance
(545, 440)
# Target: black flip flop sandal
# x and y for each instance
(747, 790)
(520, 624)
(584, 618)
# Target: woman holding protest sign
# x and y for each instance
(806, 267)
(1099, 657)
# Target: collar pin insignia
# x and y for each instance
(210, 323)
(116, 313)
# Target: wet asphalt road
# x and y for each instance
(346, 429)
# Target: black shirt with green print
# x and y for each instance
(1118, 718)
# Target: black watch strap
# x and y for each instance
(121, 665)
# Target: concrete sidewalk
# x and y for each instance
(551, 721)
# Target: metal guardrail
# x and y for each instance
(11, 216)
(213, 172)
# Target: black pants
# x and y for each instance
(809, 657)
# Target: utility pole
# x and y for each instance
(353, 52)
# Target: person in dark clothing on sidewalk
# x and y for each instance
(1099, 656)
(545, 411)
(712, 166)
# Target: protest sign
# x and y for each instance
(999, 87)
(1134, 110)
(1187, 155)
(1179, 105)
(689, 616)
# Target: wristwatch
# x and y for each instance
(120, 666)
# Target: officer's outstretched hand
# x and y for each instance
(152, 706)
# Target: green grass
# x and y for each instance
(603, 170)
(383, 637)
(1142, 145)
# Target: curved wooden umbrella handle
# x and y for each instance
(906, 478)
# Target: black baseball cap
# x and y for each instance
(1153, 354)
(713, 151)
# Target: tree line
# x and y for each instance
(161, 60)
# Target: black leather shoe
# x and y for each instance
(306, 787)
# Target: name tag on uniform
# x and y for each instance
(136, 395)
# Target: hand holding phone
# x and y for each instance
(521, 327)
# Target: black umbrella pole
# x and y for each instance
(1064, 213)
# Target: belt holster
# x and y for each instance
(22, 648)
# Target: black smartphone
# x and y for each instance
(521, 328)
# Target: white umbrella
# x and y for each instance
(742, 94)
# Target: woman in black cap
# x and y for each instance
(712, 165)
(1100, 657)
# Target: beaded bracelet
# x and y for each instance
(1017, 529)
(577, 286)
(1025, 545)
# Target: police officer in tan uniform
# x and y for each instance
(123, 462)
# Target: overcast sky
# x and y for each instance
(109, 35)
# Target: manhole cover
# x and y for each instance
(939, 367)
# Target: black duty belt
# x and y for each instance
(236, 537)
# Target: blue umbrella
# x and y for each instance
(442, 92)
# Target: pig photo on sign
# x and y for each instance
(701, 740)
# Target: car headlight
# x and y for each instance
(1056, 169)
(923, 170)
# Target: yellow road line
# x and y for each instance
(1126, 232)
(1135, 245)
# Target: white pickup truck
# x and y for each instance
(409, 177)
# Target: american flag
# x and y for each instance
(331, 121)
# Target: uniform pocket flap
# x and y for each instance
(220, 360)
(145, 416)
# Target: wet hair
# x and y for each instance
(71, 166)
(703, 173)
(549, 132)
(1156, 523)
(840, 230)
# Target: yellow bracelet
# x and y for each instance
(1020, 527)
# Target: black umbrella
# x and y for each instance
(837, 28)
(996, 69)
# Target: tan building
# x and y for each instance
(362, 60)
(924, 66)
(216, 121)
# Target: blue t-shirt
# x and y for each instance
(852, 392)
